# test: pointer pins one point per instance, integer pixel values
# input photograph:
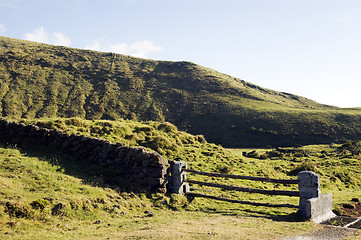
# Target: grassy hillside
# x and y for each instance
(40, 201)
(338, 164)
(45, 195)
(39, 80)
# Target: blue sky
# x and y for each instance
(310, 48)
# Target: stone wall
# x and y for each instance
(135, 164)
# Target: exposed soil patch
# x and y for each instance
(357, 225)
(351, 209)
(349, 215)
(340, 221)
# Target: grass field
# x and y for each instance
(32, 187)
(48, 196)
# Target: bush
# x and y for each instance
(161, 144)
(201, 139)
(78, 122)
(275, 153)
(146, 129)
(60, 209)
(167, 127)
(178, 200)
(304, 166)
(252, 154)
(19, 210)
(40, 204)
(223, 168)
(57, 124)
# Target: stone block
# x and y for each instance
(309, 187)
(177, 184)
(320, 209)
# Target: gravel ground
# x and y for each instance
(326, 233)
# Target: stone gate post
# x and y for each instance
(312, 204)
(177, 177)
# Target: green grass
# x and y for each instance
(338, 168)
(162, 137)
(89, 211)
(33, 182)
(327, 160)
(44, 81)
(46, 195)
(37, 193)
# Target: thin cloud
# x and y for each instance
(9, 4)
(2, 29)
(41, 35)
(38, 35)
(344, 19)
(61, 39)
(96, 45)
(136, 49)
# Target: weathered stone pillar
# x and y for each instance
(312, 204)
(177, 177)
(309, 187)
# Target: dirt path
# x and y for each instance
(328, 233)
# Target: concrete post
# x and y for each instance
(309, 187)
(312, 204)
(177, 184)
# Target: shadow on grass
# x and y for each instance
(89, 173)
(96, 175)
(281, 217)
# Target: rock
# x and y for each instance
(123, 213)
(149, 213)
(117, 206)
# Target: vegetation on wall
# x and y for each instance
(337, 164)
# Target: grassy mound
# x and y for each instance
(162, 137)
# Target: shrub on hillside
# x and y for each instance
(252, 154)
(304, 166)
(167, 127)
(19, 210)
(78, 122)
(40, 204)
(223, 168)
(353, 147)
(161, 144)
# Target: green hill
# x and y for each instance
(39, 80)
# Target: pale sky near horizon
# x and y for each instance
(311, 48)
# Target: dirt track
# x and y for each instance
(328, 233)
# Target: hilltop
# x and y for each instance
(40, 80)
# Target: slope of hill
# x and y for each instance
(39, 80)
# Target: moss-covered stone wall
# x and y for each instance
(135, 164)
